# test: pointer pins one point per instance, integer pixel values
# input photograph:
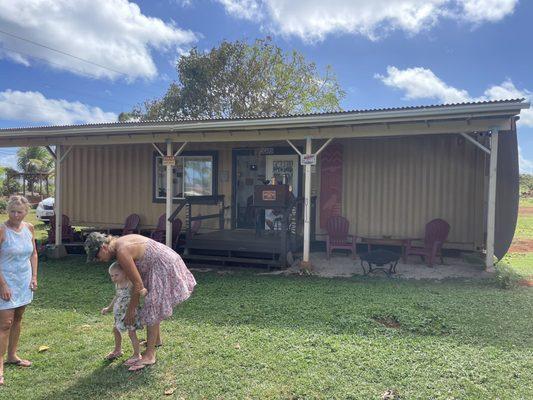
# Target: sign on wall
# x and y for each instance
(169, 160)
(308, 159)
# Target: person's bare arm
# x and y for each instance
(34, 259)
(105, 310)
(125, 259)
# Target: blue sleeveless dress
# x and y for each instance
(15, 253)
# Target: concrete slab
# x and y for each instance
(344, 266)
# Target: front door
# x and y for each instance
(257, 166)
(282, 169)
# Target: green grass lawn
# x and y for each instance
(526, 202)
(243, 336)
(524, 227)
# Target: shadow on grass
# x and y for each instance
(105, 382)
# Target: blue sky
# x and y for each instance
(385, 53)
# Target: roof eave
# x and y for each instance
(374, 117)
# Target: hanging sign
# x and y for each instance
(308, 159)
(169, 160)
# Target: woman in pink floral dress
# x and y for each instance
(151, 265)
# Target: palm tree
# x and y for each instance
(34, 161)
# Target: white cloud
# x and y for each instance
(422, 83)
(112, 33)
(507, 90)
(313, 20)
(525, 165)
(245, 9)
(33, 106)
(487, 10)
(8, 157)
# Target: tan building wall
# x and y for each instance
(395, 186)
(390, 186)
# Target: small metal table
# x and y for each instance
(385, 241)
(384, 260)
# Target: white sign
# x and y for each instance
(308, 159)
(169, 160)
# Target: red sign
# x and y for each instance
(330, 183)
(269, 195)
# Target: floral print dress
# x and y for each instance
(167, 279)
(120, 306)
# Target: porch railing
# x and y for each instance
(190, 201)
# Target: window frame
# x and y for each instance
(202, 153)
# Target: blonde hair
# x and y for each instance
(114, 266)
(17, 200)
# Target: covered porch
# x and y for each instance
(86, 155)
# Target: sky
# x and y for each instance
(86, 61)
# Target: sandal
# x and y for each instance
(140, 366)
(114, 355)
(1, 380)
(19, 363)
(131, 361)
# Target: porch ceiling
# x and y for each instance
(460, 118)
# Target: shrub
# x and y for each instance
(3, 205)
(506, 277)
(10, 186)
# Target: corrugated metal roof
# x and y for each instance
(255, 118)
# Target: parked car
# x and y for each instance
(45, 209)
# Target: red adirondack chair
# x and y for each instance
(159, 234)
(436, 233)
(131, 224)
(68, 234)
(338, 237)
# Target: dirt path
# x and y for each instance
(521, 246)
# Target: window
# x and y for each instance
(193, 175)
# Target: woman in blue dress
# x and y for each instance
(18, 278)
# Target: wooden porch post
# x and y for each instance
(170, 193)
(491, 208)
(307, 206)
(57, 196)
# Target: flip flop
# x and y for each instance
(1, 380)
(139, 366)
(20, 363)
(131, 363)
(113, 356)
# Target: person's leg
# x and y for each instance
(158, 342)
(117, 351)
(152, 334)
(6, 320)
(135, 343)
(14, 336)
(148, 357)
(136, 349)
